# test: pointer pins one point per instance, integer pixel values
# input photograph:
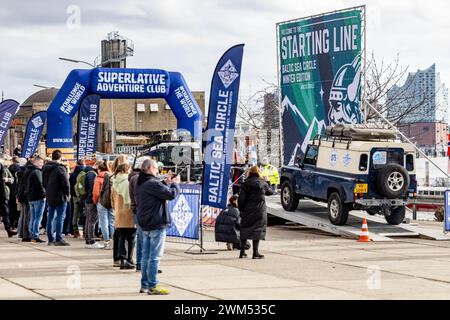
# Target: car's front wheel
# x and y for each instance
(397, 216)
(337, 210)
(289, 199)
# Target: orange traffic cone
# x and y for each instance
(364, 232)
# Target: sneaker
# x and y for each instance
(107, 246)
(52, 243)
(62, 243)
(116, 264)
(95, 245)
(158, 290)
(143, 290)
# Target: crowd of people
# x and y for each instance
(119, 208)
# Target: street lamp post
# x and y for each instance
(77, 61)
(43, 87)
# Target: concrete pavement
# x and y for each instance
(300, 264)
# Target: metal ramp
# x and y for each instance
(314, 215)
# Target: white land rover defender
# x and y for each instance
(353, 168)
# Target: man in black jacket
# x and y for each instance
(18, 151)
(91, 208)
(24, 220)
(36, 198)
(4, 197)
(13, 212)
(152, 216)
(56, 184)
(77, 207)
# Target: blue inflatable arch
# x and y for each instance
(119, 84)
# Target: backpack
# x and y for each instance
(105, 192)
(80, 185)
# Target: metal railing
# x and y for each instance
(128, 149)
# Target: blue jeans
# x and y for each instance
(36, 212)
(138, 241)
(105, 221)
(60, 212)
(152, 251)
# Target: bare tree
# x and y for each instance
(384, 92)
(251, 110)
(252, 115)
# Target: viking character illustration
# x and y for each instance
(345, 94)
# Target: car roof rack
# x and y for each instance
(360, 132)
(333, 139)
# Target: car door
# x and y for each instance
(308, 172)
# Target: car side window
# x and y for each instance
(311, 156)
(363, 162)
(409, 162)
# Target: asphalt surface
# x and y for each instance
(300, 263)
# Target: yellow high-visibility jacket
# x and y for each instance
(271, 173)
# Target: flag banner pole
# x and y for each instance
(8, 109)
(33, 134)
(221, 125)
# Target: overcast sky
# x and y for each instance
(190, 36)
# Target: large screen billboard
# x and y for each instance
(320, 61)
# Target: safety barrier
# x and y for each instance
(185, 216)
(187, 221)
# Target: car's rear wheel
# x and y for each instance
(393, 181)
(289, 199)
(397, 216)
(337, 210)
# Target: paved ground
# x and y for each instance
(299, 264)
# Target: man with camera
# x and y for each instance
(152, 195)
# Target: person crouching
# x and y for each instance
(228, 224)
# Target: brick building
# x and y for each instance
(430, 137)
